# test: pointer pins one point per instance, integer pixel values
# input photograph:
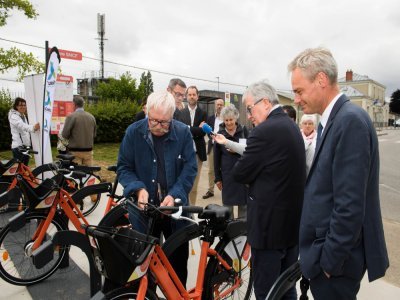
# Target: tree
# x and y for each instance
(395, 102)
(123, 89)
(14, 57)
(145, 87)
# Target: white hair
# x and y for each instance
(161, 99)
(311, 118)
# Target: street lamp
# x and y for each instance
(218, 82)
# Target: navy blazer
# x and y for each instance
(341, 226)
(197, 133)
(273, 165)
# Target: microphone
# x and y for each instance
(207, 129)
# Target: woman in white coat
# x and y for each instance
(20, 129)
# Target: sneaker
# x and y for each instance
(208, 195)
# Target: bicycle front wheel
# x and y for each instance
(236, 284)
(16, 264)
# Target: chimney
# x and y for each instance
(349, 75)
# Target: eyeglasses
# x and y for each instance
(178, 95)
(163, 123)
(249, 108)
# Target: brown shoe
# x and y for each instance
(208, 195)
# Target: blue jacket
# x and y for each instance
(137, 165)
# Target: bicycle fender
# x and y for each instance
(91, 190)
(235, 228)
(181, 236)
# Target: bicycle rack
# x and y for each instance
(45, 252)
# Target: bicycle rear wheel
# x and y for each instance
(129, 293)
(16, 265)
(219, 283)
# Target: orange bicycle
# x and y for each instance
(132, 259)
(49, 207)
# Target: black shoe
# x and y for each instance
(208, 195)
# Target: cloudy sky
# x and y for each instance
(238, 42)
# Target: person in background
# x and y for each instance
(233, 193)
(156, 162)
(194, 117)
(141, 114)
(20, 129)
(80, 130)
(341, 230)
(291, 112)
(177, 88)
(307, 125)
(213, 121)
(273, 165)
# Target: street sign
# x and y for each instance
(67, 54)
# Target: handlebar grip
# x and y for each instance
(187, 209)
(33, 152)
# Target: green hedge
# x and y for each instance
(112, 119)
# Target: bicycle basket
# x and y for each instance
(123, 255)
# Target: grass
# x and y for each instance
(104, 155)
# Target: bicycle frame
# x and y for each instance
(69, 207)
(169, 282)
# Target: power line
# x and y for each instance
(139, 68)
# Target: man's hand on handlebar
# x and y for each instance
(142, 198)
(168, 201)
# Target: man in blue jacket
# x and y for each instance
(157, 163)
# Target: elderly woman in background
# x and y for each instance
(307, 126)
(233, 193)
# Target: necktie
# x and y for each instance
(319, 133)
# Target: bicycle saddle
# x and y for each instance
(215, 212)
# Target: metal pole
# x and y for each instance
(46, 56)
(218, 82)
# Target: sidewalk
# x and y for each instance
(379, 289)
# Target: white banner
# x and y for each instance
(34, 100)
(51, 76)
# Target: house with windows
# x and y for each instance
(368, 94)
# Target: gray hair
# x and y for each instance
(161, 99)
(314, 60)
(176, 81)
(229, 111)
(262, 89)
(311, 118)
(78, 101)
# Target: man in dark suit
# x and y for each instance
(273, 165)
(195, 117)
(214, 121)
(341, 231)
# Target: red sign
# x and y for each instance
(67, 54)
(64, 78)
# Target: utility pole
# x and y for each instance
(218, 82)
(101, 25)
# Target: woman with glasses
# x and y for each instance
(233, 193)
(20, 129)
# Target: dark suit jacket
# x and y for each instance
(197, 133)
(341, 226)
(139, 116)
(273, 165)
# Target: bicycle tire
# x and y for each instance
(9, 209)
(116, 217)
(16, 265)
(129, 292)
(215, 272)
